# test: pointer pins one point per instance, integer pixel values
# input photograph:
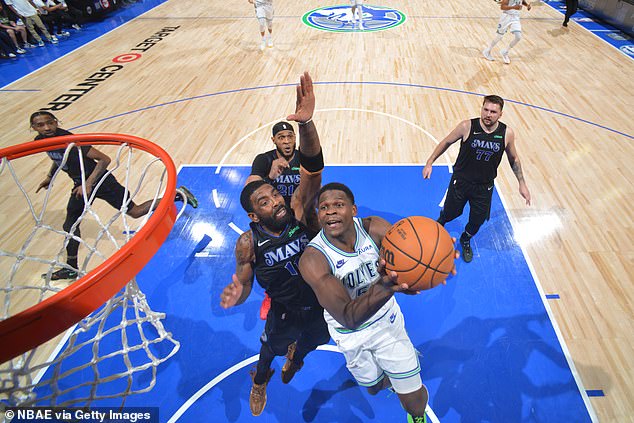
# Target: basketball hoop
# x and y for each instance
(57, 309)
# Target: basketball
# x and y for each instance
(420, 251)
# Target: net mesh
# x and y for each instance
(115, 351)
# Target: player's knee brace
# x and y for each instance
(312, 164)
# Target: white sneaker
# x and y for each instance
(20, 50)
(11, 55)
(263, 44)
(361, 25)
(505, 56)
(54, 39)
(269, 42)
(40, 44)
(487, 54)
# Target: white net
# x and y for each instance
(115, 351)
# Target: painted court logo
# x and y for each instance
(340, 19)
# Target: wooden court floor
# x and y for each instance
(202, 85)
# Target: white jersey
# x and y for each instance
(514, 12)
(380, 347)
(357, 271)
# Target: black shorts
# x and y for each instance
(460, 192)
(284, 326)
(110, 191)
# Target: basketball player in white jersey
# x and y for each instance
(510, 19)
(341, 264)
(264, 13)
(357, 7)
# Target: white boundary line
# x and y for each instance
(560, 338)
(335, 109)
(202, 391)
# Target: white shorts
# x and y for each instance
(381, 349)
(264, 10)
(356, 2)
(509, 21)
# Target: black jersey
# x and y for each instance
(480, 154)
(276, 264)
(287, 182)
(73, 166)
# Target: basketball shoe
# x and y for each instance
(257, 398)
(487, 54)
(290, 367)
(62, 273)
(411, 419)
(269, 42)
(467, 253)
(505, 56)
(191, 198)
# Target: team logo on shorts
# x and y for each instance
(340, 19)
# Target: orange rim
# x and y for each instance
(47, 319)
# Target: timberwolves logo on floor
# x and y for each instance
(340, 19)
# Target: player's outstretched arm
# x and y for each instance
(242, 280)
(459, 132)
(335, 299)
(310, 155)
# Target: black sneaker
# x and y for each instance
(61, 274)
(191, 198)
(467, 253)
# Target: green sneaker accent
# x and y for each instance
(411, 419)
(467, 253)
(191, 198)
(62, 273)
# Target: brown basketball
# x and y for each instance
(420, 250)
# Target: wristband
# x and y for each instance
(305, 123)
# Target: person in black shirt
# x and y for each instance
(483, 142)
(271, 249)
(279, 167)
(95, 164)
